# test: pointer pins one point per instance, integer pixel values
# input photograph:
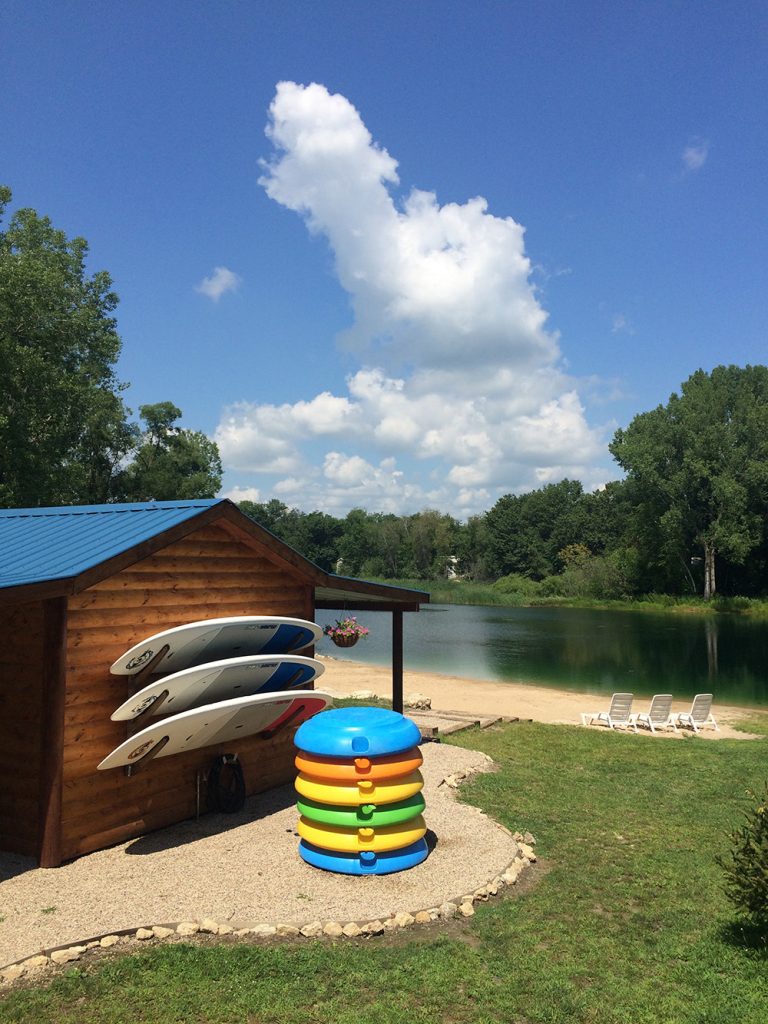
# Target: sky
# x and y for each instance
(404, 255)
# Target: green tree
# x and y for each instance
(268, 514)
(316, 536)
(526, 531)
(358, 544)
(699, 465)
(63, 424)
(432, 537)
(472, 546)
(171, 463)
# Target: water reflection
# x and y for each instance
(580, 649)
(710, 629)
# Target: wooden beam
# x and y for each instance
(28, 592)
(361, 605)
(397, 661)
(52, 753)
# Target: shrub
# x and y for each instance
(514, 583)
(552, 586)
(746, 865)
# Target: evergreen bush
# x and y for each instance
(746, 864)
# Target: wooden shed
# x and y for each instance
(80, 585)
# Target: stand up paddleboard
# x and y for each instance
(209, 640)
(218, 723)
(220, 680)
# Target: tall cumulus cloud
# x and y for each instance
(460, 395)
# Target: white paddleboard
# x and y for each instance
(224, 722)
(214, 639)
(221, 680)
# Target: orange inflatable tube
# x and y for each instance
(346, 769)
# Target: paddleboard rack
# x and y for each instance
(137, 683)
(143, 761)
(152, 689)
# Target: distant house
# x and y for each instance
(79, 586)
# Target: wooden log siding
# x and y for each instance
(210, 573)
(21, 689)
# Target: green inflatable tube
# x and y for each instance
(364, 814)
(345, 840)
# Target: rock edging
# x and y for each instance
(460, 907)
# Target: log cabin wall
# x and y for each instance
(21, 695)
(210, 573)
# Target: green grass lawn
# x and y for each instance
(626, 922)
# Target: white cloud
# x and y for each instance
(350, 481)
(460, 380)
(695, 155)
(221, 281)
(237, 494)
(430, 284)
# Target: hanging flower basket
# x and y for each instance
(345, 632)
(345, 641)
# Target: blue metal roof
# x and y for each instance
(43, 544)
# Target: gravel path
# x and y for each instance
(244, 869)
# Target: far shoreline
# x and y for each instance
(508, 699)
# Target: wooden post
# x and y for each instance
(52, 753)
(397, 660)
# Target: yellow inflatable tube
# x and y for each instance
(346, 840)
(364, 791)
(347, 769)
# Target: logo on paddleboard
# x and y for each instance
(144, 704)
(139, 750)
(141, 659)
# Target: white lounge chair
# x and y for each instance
(699, 715)
(659, 714)
(618, 714)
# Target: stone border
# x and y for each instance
(462, 906)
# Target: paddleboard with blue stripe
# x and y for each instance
(220, 680)
(197, 643)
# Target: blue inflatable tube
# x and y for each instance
(351, 732)
(366, 862)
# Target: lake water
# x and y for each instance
(577, 649)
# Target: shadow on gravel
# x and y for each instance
(211, 823)
(13, 864)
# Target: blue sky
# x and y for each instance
(376, 334)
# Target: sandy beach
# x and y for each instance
(521, 700)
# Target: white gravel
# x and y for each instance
(244, 869)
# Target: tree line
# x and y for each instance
(66, 436)
(689, 515)
(622, 541)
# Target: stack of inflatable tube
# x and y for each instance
(359, 788)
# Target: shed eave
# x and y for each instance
(350, 593)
